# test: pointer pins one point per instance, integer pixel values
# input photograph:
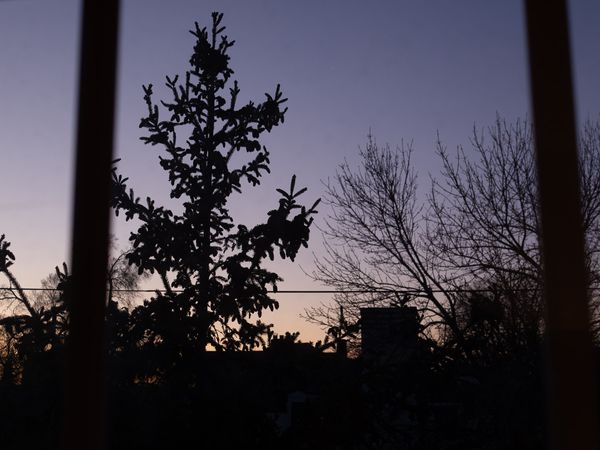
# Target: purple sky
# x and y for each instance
(405, 69)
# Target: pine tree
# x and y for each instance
(215, 285)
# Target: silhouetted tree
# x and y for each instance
(477, 229)
(123, 279)
(34, 324)
(211, 269)
(32, 332)
(14, 298)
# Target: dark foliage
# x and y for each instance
(211, 149)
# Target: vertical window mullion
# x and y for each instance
(571, 383)
(85, 397)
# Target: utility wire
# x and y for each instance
(323, 291)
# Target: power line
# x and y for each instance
(270, 291)
(321, 291)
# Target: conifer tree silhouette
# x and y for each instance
(216, 287)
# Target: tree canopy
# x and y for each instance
(464, 249)
(212, 269)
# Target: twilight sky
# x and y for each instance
(404, 69)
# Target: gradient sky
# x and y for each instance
(404, 69)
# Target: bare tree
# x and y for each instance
(483, 214)
(476, 230)
(483, 211)
(123, 279)
(589, 145)
(376, 239)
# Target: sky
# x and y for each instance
(404, 70)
